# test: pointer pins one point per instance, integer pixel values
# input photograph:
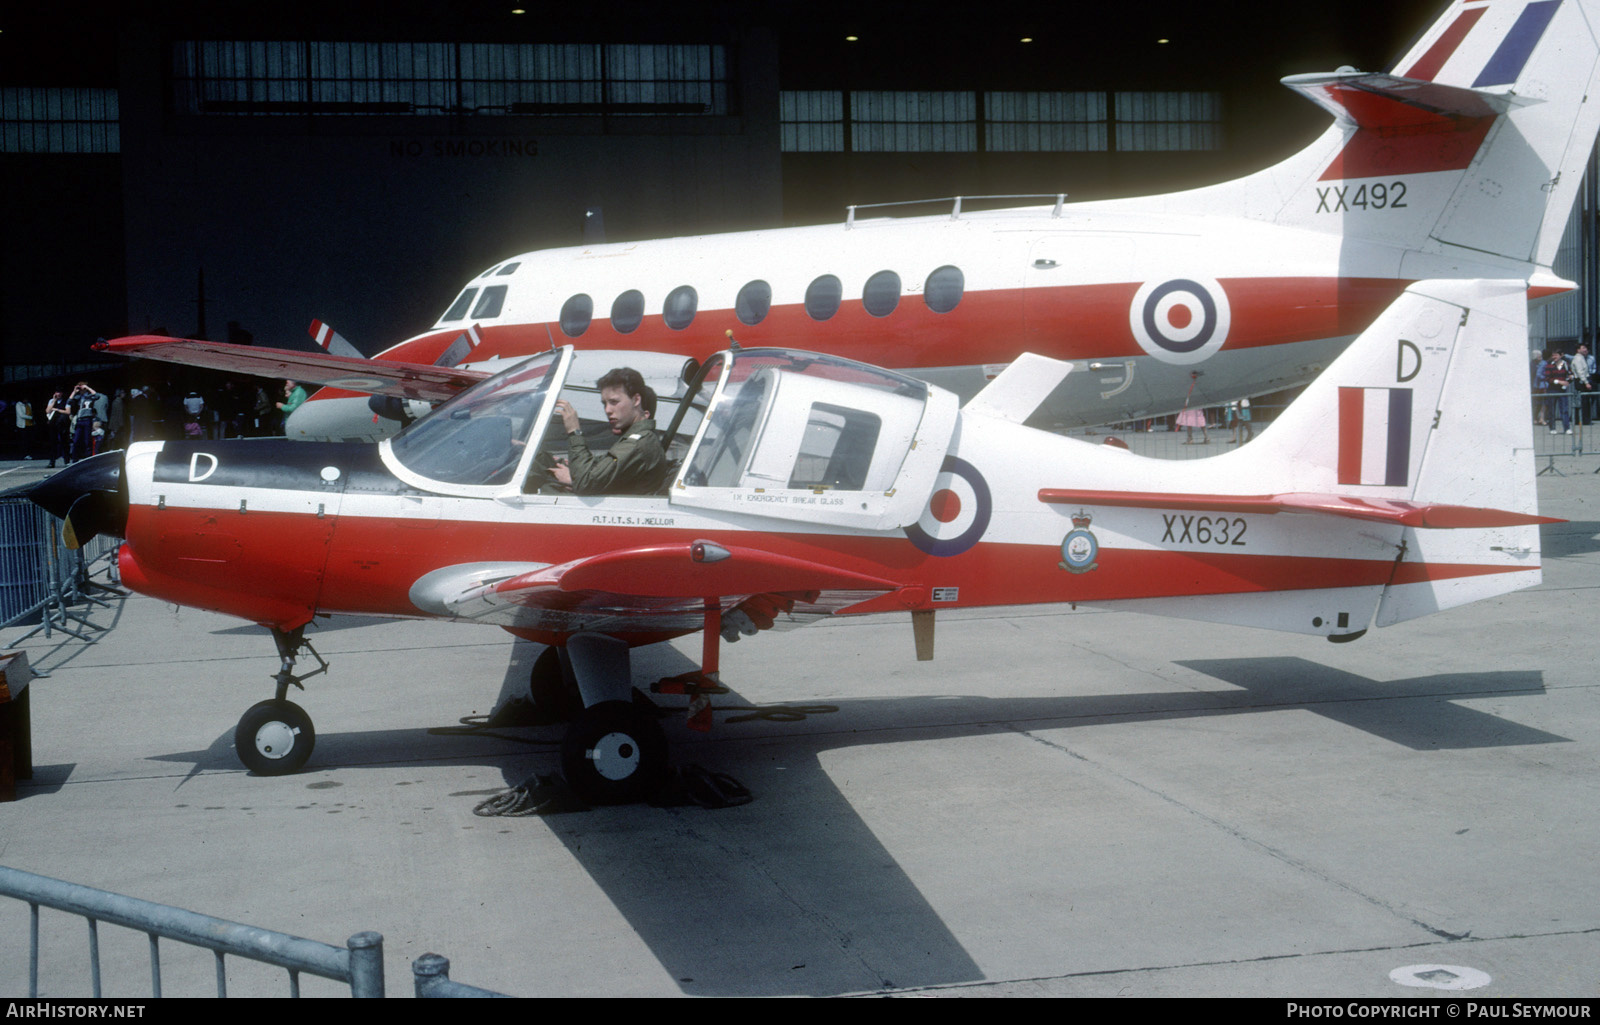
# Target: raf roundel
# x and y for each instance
(957, 513)
(1180, 321)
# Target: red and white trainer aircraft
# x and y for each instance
(1399, 484)
(1463, 162)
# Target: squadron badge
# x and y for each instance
(1079, 548)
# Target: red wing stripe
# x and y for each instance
(670, 570)
(1406, 514)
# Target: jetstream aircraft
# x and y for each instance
(1462, 162)
(1399, 484)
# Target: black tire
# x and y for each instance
(551, 688)
(274, 738)
(614, 753)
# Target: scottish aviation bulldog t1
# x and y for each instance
(804, 485)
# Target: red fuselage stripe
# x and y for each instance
(989, 326)
(296, 563)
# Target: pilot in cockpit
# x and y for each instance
(635, 463)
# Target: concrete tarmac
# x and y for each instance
(1061, 803)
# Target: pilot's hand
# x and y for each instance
(569, 416)
(562, 473)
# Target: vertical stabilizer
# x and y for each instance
(1473, 145)
(1427, 408)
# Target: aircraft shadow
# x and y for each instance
(732, 905)
(1419, 713)
(1562, 540)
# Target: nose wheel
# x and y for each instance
(274, 738)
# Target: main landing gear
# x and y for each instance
(275, 737)
(615, 751)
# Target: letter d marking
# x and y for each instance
(1400, 374)
(195, 476)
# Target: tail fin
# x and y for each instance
(1425, 418)
(1421, 427)
(1476, 141)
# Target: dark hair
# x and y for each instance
(631, 382)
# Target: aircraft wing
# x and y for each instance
(659, 587)
(1377, 510)
(352, 373)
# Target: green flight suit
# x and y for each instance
(634, 465)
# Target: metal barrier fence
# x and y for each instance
(359, 964)
(430, 974)
(42, 580)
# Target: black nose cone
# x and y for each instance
(91, 495)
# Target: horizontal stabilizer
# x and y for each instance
(1377, 510)
(1370, 100)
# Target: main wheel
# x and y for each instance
(552, 689)
(613, 753)
(274, 738)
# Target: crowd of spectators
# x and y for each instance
(1564, 388)
(77, 420)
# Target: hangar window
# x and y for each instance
(57, 120)
(1168, 121)
(811, 121)
(913, 122)
(753, 302)
(283, 77)
(678, 310)
(458, 309)
(882, 293)
(576, 314)
(823, 297)
(510, 268)
(1056, 122)
(489, 304)
(628, 310)
(944, 289)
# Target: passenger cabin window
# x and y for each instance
(787, 422)
(944, 289)
(458, 309)
(800, 436)
(628, 310)
(882, 293)
(678, 310)
(836, 448)
(753, 303)
(489, 304)
(823, 297)
(576, 314)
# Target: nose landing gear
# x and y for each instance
(275, 737)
